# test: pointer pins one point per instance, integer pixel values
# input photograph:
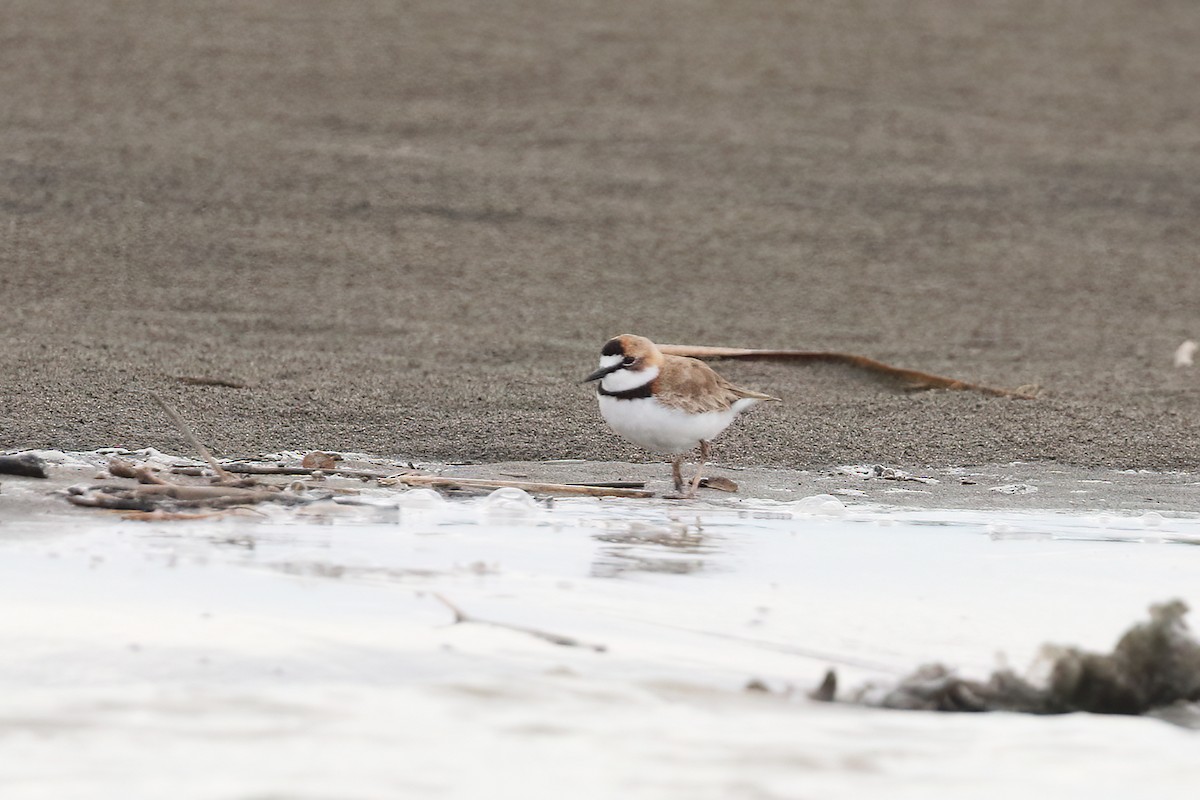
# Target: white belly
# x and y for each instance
(649, 424)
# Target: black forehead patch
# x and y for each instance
(612, 348)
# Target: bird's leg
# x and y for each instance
(700, 466)
(677, 472)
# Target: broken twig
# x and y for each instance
(554, 638)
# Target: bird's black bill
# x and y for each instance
(600, 373)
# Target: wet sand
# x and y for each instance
(1103, 494)
(407, 230)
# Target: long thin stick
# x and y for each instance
(554, 638)
(910, 378)
(179, 423)
(268, 469)
(613, 484)
(555, 488)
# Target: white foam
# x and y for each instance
(825, 505)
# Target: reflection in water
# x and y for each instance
(677, 548)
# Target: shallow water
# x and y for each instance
(308, 655)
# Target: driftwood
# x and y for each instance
(171, 496)
(26, 465)
(159, 515)
(461, 616)
(411, 477)
(200, 472)
(613, 484)
(551, 488)
(347, 472)
(200, 492)
(120, 468)
(907, 378)
(177, 420)
(157, 494)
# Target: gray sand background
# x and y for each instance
(407, 228)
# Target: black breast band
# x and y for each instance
(628, 394)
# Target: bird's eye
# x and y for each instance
(628, 361)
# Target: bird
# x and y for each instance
(664, 403)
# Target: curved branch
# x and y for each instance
(908, 378)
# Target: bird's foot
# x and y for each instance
(683, 491)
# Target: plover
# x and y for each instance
(666, 404)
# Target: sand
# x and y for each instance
(407, 229)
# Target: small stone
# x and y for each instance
(319, 459)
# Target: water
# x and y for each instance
(313, 653)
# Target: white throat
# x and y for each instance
(625, 379)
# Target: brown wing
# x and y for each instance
(693, 386)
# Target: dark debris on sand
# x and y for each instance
(26, 465)
(1154, 667)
